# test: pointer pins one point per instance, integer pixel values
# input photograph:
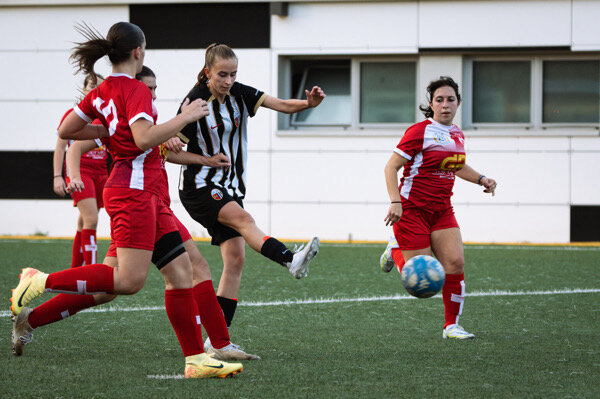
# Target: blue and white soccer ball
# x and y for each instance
(423, 276)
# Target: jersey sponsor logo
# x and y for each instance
(216, 194)
(454, 162)
(441, 138)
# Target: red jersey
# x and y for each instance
(93, 161)
(434, 152)
(118, 102)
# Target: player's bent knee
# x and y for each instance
(132, 287)
(101, 299)
(167, 249)
(455, 266)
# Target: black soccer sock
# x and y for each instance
(274, 249)
(228, 306)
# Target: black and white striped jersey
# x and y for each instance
(224, 130)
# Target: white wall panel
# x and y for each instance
(529, 178)
(536, 224)
(54, 217)
(586, 30)
(51, 28)
(258, 176)
(367, 26)
(585, 178)
(369, 141)
(331, 222)
(585, 144)
(40, 75)
(30, 125)
(339, 177)
(494, 23)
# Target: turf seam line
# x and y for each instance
(318, 301)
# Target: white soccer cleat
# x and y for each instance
(22, 333)
(386, 261)
(229, 352)
(455, 331)
(298, 267)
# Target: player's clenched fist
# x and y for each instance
(194, 110)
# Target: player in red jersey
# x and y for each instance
(89, 201)
(211, 316)
(143, 228)
(432, 153)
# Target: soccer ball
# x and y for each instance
(423, 276)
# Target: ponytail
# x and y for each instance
(122, 38)
(213, 51)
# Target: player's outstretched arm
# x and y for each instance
(74, 153)
(394, 164)
(147, 135)
(471, 175)
(188, 158)
(313, 99)
(75, 128)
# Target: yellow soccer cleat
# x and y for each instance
(31, 285)
(204, 366)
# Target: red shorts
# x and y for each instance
(183, 232)
(413, 230)
(93, 186)
(137, 218)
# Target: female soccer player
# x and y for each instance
(143, 228)
(88, 201)
(214, 197)
(64, 305)
(432, 153)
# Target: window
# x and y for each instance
(537, 92)
(501, 92)
(367, 92)
(335, 81)
(571, 92)
(387, 92)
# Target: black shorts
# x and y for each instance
(204, 204)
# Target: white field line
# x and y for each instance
(166, 376)
(289, 302)
(532, 247)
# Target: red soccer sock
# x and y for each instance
(86, 280)
(58, 308)
(211, 314)
(89, 246)
(183, 314)
(77, 257)
(398, 258)
(453, 295)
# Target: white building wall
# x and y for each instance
(332, 184)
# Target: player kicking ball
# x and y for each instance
(432, 153)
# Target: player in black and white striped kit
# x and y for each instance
(212, 196)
